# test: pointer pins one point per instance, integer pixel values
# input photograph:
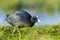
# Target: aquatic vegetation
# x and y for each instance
(46, 32)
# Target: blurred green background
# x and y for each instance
(49, 6)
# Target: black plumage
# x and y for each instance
(21, 18)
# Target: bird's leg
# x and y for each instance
(19, 33)
(14, 30)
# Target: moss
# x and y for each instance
(30, 33)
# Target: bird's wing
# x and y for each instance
(24, 14)
(27, 14)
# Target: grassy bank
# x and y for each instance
(46, 32)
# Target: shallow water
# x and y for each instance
(44, 18)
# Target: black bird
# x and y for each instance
(21, 18)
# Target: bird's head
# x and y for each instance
(35, 19)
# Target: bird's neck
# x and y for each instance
(32, 24)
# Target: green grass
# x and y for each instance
(45, 32)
